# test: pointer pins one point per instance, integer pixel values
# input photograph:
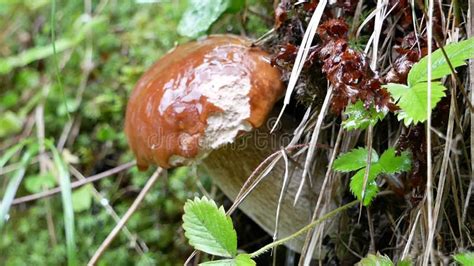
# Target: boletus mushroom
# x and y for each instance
(201, 98)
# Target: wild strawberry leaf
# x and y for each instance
(413, 100)
(358, 117)
(465, 259)
(391, 163)
(457, 53)
(375, 260)
(354, 160)
(357, 184)
(240, 260)
(208, 228)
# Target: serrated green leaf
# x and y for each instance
(358, 117)
(457, 53)
(413, 101)
(82, 198)
(391, 163)
(208, 228)
(353, 160)
(201, 14)
(465, 258)
(396, 90)
(375, 260)
(371, 189)
(240, 260)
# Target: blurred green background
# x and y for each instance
(78, 96)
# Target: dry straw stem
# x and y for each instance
(471, 80)
(76, 184)
(310, 237)
(429, 174)
(149, 184)
(302, 54)
(110, 210)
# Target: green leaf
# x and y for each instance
(82, 198)
(37, 183)
(226, 262)
(375, 260)
(10, 123)
(465, 258)
(244, 260)
(391, 164)
(413, 101)
(358, 117)
(240, 260)
(14, 183)
(208, 228)
(356, 159)
(353, 160)
(405, 262)
(396, 90)
(201, 14)
(371, 188)
(457, 53)
(12, 151)
(66, 197)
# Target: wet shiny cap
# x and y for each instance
(198, 97)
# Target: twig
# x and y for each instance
(304, 229)
(90, 179)
(125, 218)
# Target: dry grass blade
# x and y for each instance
(76, 184)
(444, 164)
(306, 251)
(471, 81)
(314, 141)
(406, 250)
(282, 192)
(110, 210)
(151, 181)
(302, 55)
(429, 175)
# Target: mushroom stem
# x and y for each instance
(231, 165)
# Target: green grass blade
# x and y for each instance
(11, 152)
(66, 195)
(14, 183)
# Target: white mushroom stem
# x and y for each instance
(231, 165)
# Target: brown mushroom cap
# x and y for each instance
(198, 97)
